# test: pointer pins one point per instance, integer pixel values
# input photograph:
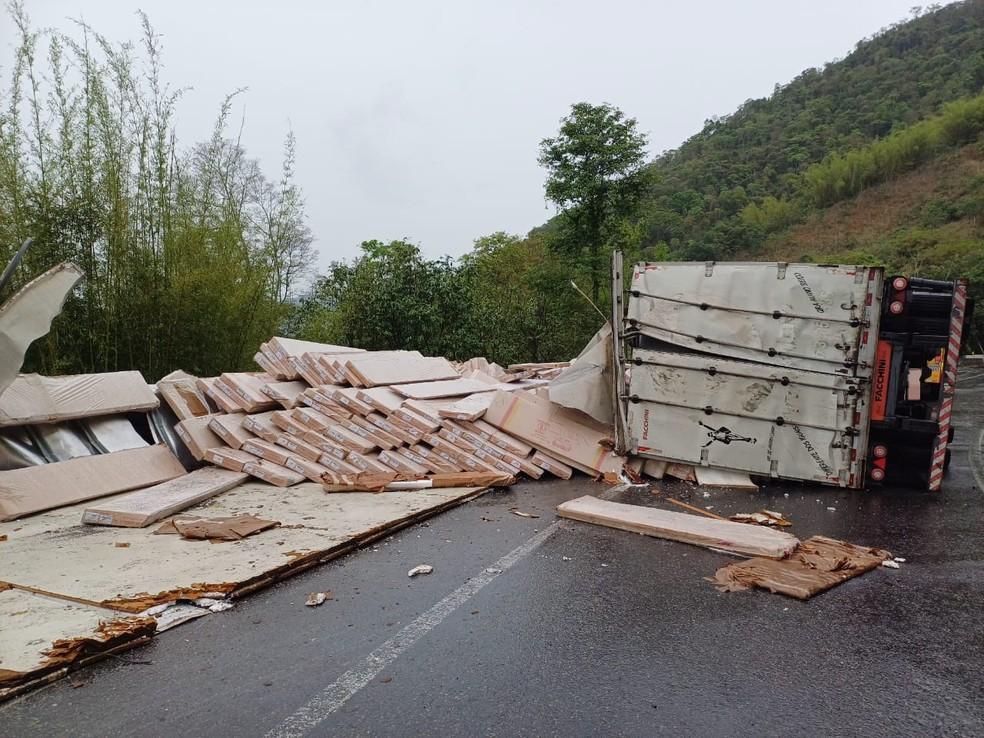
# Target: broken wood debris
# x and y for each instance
(762, 517)
(819, 564)
(232, 528)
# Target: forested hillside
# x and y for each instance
(759, 155)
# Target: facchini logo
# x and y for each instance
(880, 388)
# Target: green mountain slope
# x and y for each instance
(757, 157)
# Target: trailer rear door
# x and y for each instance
(760, 367)
(774, 421)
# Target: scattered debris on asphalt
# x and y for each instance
(693, 508)
(421, 569)
(317, 598)
(522, 514)
(213, 605)
(762, 517)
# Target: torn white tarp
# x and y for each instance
(586, 385)
(27, 316)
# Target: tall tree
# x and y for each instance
(192, 256)
(596, 175)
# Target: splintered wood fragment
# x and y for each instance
(751, 540)
(693, 508)
(366, 481)
(473, 479)
(819, 564)
(681, 471)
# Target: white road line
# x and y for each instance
(342, 689)
(336, 694)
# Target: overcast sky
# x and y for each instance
(421, 119)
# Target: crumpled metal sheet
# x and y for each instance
(112, 433)
(59, 441)
(17, 450)
(27, 316)
(162, 421)
(586, 385)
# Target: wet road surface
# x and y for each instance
(534, 626)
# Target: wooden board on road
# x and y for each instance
(740, 538)
(142, 507)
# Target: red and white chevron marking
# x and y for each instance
(949, 384)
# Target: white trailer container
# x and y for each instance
(762, 367)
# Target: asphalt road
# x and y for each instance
(533, 626)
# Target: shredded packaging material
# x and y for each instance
(819, 564)
(233, 528)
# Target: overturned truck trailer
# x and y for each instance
(782, 370)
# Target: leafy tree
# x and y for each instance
(192, 256)
(596, 176)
